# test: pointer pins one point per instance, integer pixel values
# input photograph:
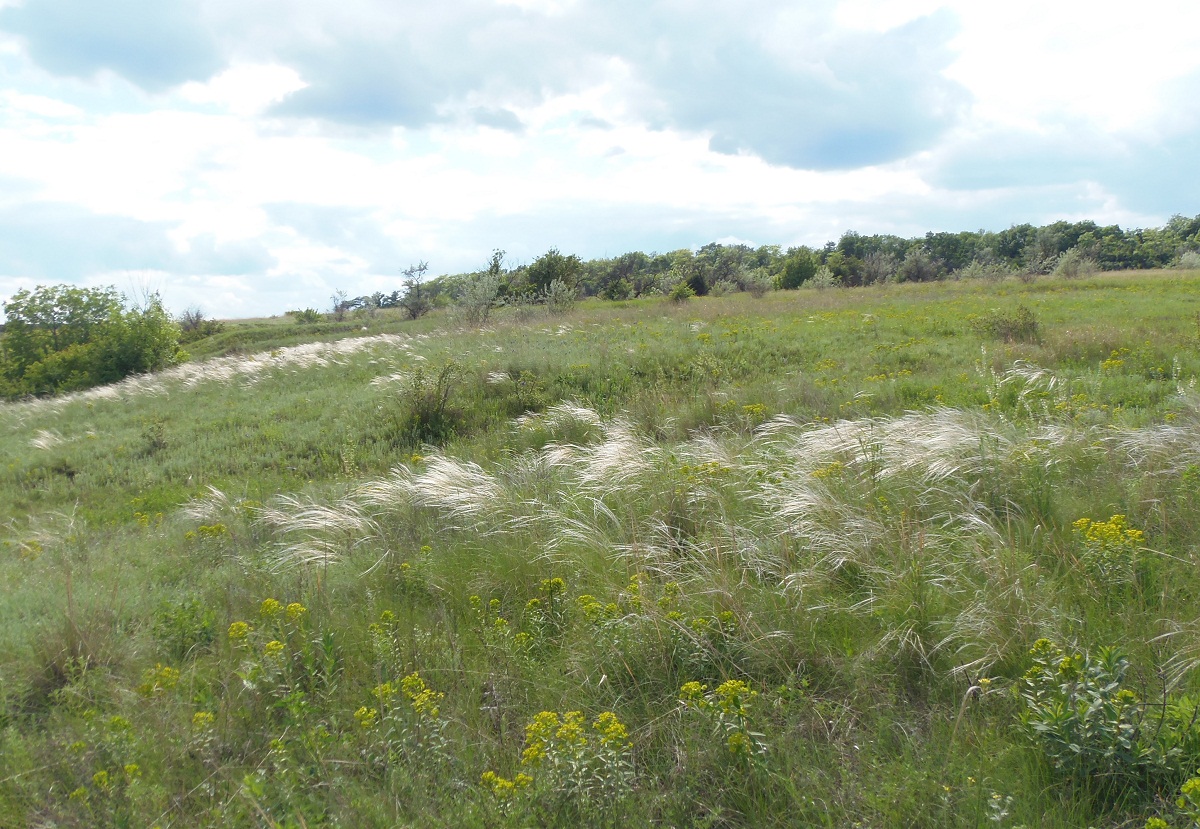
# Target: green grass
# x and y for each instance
(856, 502)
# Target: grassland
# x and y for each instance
(787, 557)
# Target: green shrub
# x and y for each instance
(307, 316)
(1019, 325)
(1073, 263)
(560, 297)
(425, 414)
(682, 292)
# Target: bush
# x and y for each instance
(824, 278)
(426, 415)
(755, 282)
(1073, 263)
(991, 271)
(478, 297)
(1188, 260)
(308, 316)
(1018, 326)
(560, 297)
(193, 326)
(918, 266)
(618, 290)
(799, 267)
(681, 292)
(60, 339)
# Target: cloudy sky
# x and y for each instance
(251, 157)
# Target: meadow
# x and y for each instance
(906, 555)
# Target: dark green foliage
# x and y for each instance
(551, 266)
(306, 316)
(184, 629)
(682, 292)
(60, 338)
(799, 267)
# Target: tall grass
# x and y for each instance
(846, 516)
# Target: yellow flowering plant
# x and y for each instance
(1094, 729)
(568, 758)
(1109, 549)
(729, 709)
(403, 722)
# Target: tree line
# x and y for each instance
(63, 338)
(1070, 248)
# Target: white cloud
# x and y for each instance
(245, 89)
(586, 125)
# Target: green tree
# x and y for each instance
(61, 338)
(550, 266)
(799, 266)
(415, 302)
(51, 319)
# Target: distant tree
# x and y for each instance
(551, 266)
(414, 302)
(624, 275)
(799, 266)
(847, 269)
(339, 305)
(62, 338)
(1042, 250)
(53, 318)
(918, 266)
(879, 266)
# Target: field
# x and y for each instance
(907, 555)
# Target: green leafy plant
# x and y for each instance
(729, 709)
(1098, 733)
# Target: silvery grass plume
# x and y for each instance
(460, 491)
(579, 523)
(44, 533)
(1167, 448)
(608, 464)
(46, 439)
(1036, 386)
(330, 531)
(207, 507)
(1185, 638)
(1009, 606)
(218, 369)
(557, 416)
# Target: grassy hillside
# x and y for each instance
(729, 562)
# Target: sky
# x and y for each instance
(247, 159)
